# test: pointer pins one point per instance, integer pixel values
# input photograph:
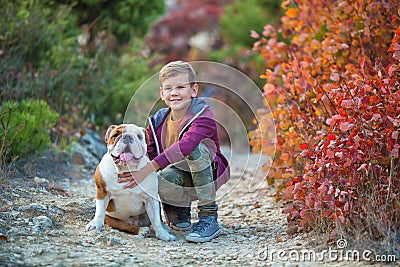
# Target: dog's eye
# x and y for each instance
(140, 137)
(114, 136)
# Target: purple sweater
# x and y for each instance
(197, 126)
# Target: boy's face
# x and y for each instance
(177, 92)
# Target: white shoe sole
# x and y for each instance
(203, 239)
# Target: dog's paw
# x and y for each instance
(166, 227)
(94, 224)
(164, 235)
(144, 231)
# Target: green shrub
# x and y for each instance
(241, 17)
(24, 127)
(42, 59)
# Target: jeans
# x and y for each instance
(190, 179)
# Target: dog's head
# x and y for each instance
(126, 143)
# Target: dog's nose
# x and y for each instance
(127, 139)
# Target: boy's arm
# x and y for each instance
(202, 128)
(135, 178)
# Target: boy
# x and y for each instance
(184, 147)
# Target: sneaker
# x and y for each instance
(183, 219)
(204, 230)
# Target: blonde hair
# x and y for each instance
(177, 67)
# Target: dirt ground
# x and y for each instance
(45, 206)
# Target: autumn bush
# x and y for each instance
(332, 79)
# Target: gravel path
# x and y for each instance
(41, 225)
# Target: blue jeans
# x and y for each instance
(190, 179)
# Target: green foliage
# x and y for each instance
(123, 18)
(237, 22)
(241, 17)
(242, 58)
(25, 127)
(133, 69)
(42, 59)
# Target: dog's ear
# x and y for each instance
(107, 136)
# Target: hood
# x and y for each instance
(197, 105)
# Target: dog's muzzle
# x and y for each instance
(125, 143)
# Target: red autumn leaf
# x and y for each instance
(331, 137)
(304, 146)
(345, 126)
(342, 112)
(330, 154)
(365, 100)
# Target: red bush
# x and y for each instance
(332, 74)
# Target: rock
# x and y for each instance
(41, 181)
(226, 212)
(88, 150)
(77, 158)
(43, 221)
(37, 229)
(113, 241)
(56, 210)
(259, 227)
(35, 207)
(63, 185)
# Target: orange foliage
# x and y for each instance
(332, 72)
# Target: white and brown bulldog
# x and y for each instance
(117, 207)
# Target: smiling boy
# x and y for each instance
(184, 148)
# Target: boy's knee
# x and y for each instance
(170, 182)
(200, 158)
(201, 151)
(169, 175)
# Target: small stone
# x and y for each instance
(56, 210)
(259, 227)
(226, 212)
(113, 241)
(236, 226)
(43, 221)
(252, 238)
(114, 231)
(78, 158)
(41, 181)
(37, 229)
(35, 207)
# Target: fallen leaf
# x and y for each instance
(3, 237)
(257, 205)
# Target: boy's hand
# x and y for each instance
(135, 178)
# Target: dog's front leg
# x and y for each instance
(153, 211)
(98, 220)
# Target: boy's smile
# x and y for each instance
(177, 92)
